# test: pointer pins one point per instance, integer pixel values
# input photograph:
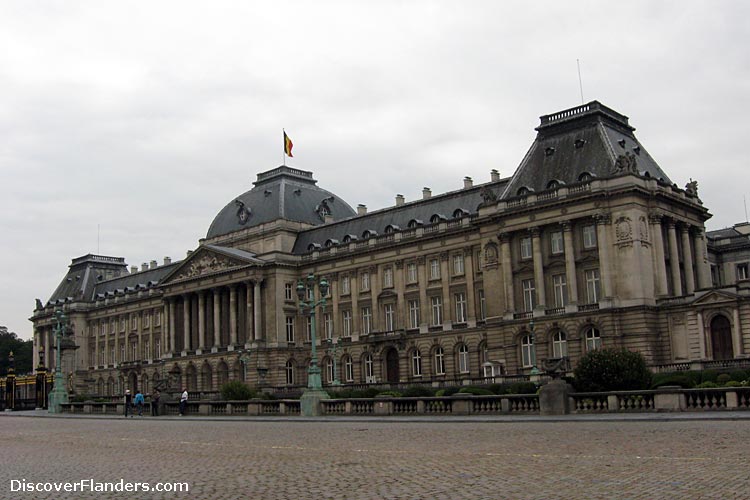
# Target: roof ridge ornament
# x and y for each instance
(243, 212)
(625, 164)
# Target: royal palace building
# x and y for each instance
(589, 244)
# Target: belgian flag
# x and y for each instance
(288, 146)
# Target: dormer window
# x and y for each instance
(549, 151)
(331, 243)
(437, 218)
(460, 212)
(369, 233)
(554, 184)
(415, 223)
(585, 177)
(523, 191)
(621, 142)
(579, 143)
(350, 237)
(313, 246)
(391, 228)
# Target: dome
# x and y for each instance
(282, 193)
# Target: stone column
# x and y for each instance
(375, 286)
(201, 320)
(737, 333)
(445, 281)
(106, 349)
(354, 293)
(249, 315)
(172, 325)
(674, 260)
(333, 282)
(151, 326)
(232, 316)
(701, 260)
(536, 247)
(660, 269)
(701, 336)
(186, 306)
(605, 259)
(505, 259)
(424, 307)
(570, 262)
(469, 273)
(687, 259)
(139, 321)
(257, 312)
(216, 299)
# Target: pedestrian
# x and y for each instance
(183, 401)
(155, 403)
(128, 403)
(139, 402)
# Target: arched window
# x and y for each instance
(328, 363)
(369, 233)
(367, 368)
(331, 243)
(415, 223)
(553, 184)
(463, 359)
(313, 246)
(585, 177)
(416, 363)
(459, 212)
(348, 369)
(391, 228)
(523, 191)
(559, 344)
(593, 339)
(437, 218)
(289, 370)
(439, 361)
(350, 237)
(528, 351)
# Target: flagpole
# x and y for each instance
(283, 137)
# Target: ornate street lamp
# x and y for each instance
(310, 400)
(334, 347)
(59, 394)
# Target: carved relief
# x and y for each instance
(490, 255)
(324, 208)
(642, 228)
(243, 213)
(205, 265)
(488, 196)
(623, 229)
(626, 164)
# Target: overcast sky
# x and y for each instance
(146, 118)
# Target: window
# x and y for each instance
(364, 284)
(593, 292)
(348, 369)
(288, 291)
(345, 287)
(434, 269)
(556, 240)
(133, 321)
(369, 373)
(146, 320)
(347, 321)
(157, 318)
(437, 310)
(389, 315)
(742, 271)
(308, 329)
(123, 323)
(328, 325)
(528, 352)
(559, 344)
(460, 301)
(593, 339)
(463, 359)
(157, 349)
(388, 277)
(560, 287)
(458, 265)
(482, 306)
(133, 351)
(411, 272)
(289, 329)
(526, 248)
(329, 370)
(366, 320)
(289, 369)
(529, 294)
(413, 314)
(589, 236)
(439, 361)
(112, 359)
(122, 353)
(416, 363)
(146, 351)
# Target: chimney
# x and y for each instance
(399, 200)
(468, 182)
(144, 266)
(494, 175)
(153, 264)
(167, 261)
(426, 193)
(133, 269)
(361, 209)
(327, 219)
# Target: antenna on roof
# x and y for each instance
(97, 239)
(580, 82)
(744, 198)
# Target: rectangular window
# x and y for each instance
(133, 351)
(437, 310)
(146, 350)
(364, 282)
(529, 295)
(366, 320)
(742, 272)
(589, 236)
(346, 317)
(288, 291)
(308, 329)
(328, 325)
(413, 314)
(157, 349)
(146, 320)
(459, 300)
(434, 269)
(123, 324)
(593, 291)
(458, 265)
(389, 315)
(526, 248)
(349, 370)
(556, 241)
(482, 306)
(345, 287)
(290, 329)
(411, 272)
(157, 318)
(560, 287)
(133, 321)
(388, 277)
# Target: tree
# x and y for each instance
(22, 352)
(612, 370)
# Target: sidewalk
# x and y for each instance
(598, 417)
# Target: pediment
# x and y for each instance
(715, 297)
(211, 259)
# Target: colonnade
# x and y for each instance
(691, 245)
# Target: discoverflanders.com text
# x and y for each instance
(85, 485)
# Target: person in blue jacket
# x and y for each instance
(139, 403)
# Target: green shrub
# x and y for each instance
(738, 375)
(723, 379)
(522, 388)
(709, 375)
(236, 391)
(677, 379)
(498, 388)
(612, 370)
(732, 383)
(393, 394)
(707, 385)
(418, 391)
(477, 391)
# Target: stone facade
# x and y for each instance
(588, 245)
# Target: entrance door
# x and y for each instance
(721, 338)
(391, 366)
(133, 382)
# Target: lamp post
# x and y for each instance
(310, 400)
(334, 347)
(59, 393)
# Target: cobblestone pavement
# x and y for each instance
(382, 460)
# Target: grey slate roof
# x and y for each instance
(587, 138)
(132, 282)
(281, 193)
(445, 204)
